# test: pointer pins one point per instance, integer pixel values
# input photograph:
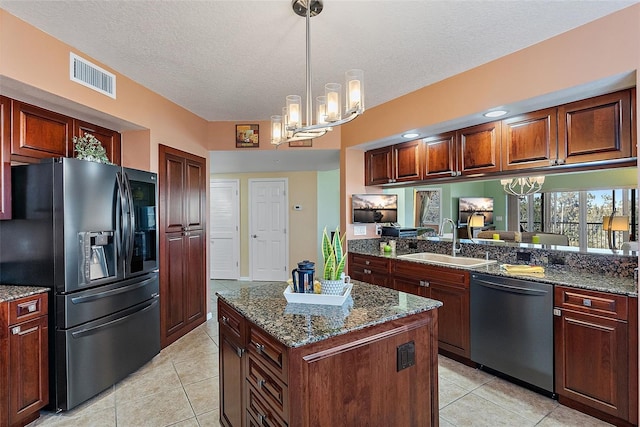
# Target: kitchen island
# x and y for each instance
(371, 361)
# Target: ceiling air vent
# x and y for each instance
(90, 75)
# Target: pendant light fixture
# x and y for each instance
(523, 186)
(290, 126)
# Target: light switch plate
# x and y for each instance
(359, 230)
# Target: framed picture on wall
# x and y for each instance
(428, 209)
(247, 136)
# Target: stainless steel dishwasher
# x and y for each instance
(512, 328)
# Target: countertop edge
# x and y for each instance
(14, 292)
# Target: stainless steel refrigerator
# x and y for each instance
(87, 231)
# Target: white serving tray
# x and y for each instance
(325, 299)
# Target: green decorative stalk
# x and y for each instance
(333, 255)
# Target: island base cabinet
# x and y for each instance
(231, 381)
(365, 386)
(349, 379)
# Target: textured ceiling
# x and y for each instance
(237, 60)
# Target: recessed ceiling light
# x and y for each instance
(495, 113)
(410, 135)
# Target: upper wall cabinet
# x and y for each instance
(5, 163)
(39, 133)
(440, 155)
(587, 134)
(529, 140)
(109, 139)
(596, 129)
(479, 149)
(396, 163)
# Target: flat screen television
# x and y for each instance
(372, 208)
(481, 205)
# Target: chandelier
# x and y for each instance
(522, 186)
(290, 126)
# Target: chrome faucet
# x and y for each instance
(454, 230)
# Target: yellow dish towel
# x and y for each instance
(523, 269)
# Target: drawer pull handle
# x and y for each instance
(225, 321)
(261, 418)
(261, 383)
(17, 330)
(32, 307)
(367, 262)
(424, 283)
(586, 302)
(259, 348)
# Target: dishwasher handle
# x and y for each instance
(509, 288)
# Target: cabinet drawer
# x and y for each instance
(260, 411)
(376, 264)
(233, 323)
(270, 387)
(27, 308)
(269, 352)
(427, 272)
(592, 302)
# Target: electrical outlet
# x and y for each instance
(406, 354)
(359, 230)
(378, 229)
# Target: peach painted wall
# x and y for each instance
(40, 61)
(600, 49)
(221, 137)
(597, 50)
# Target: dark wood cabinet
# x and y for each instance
(330, 374)
(370, 269)
(25, 363)
(378, 166)
(583, 135)
(596, 129)
(38, 133)
(182, 188)
(479, 149)
(440, 156)
(591, 334)
(5, 158)
(397, 163)
(110, 140)
(231, 357)
(529, 140)
(451, 287)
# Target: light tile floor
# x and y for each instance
(179, 387)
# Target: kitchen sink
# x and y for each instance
(457, 261)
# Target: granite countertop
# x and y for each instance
(10, 292)
(555, 275)
(295, 325)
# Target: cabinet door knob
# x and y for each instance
(586, 302)
(259, 348)
(255, 236)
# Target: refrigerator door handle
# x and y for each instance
(96, 329)
(106, 294)
(130, 214)
(120, 217)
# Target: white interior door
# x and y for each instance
(268, 239)
(225, 229)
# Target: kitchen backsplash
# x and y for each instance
(613, 265)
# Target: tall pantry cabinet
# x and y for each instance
(182, 194)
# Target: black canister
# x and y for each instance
(303, 277)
